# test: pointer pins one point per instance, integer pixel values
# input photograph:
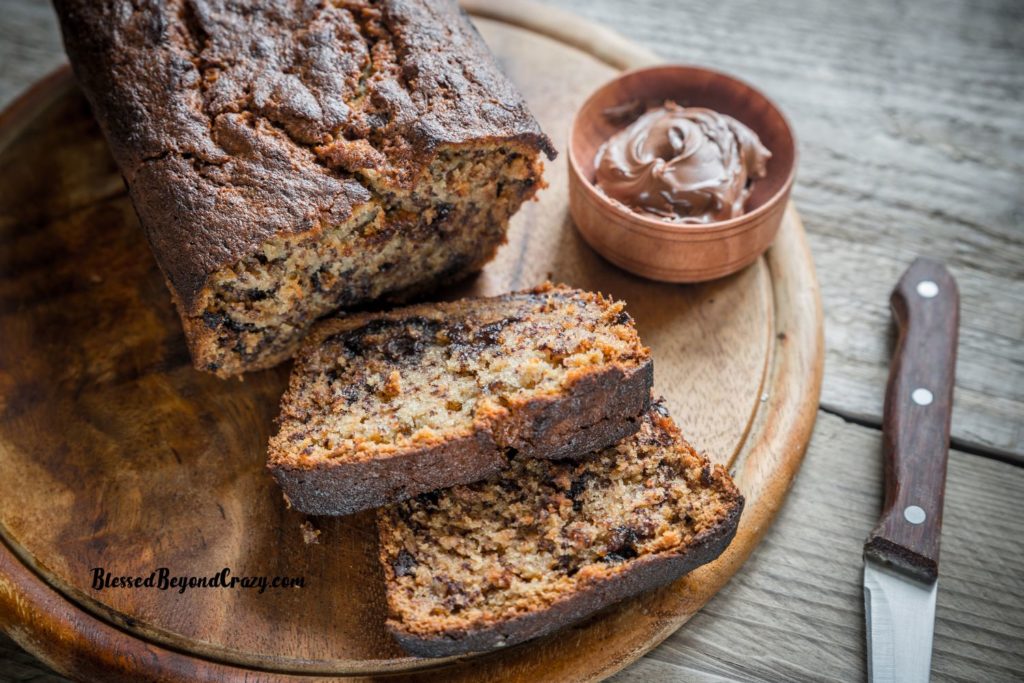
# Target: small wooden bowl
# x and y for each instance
(662, 250)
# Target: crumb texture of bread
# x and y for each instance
(552, 372)
(545, 543)
(290, 158)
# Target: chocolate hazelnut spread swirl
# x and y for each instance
(682, 164)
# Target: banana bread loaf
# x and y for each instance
(545, 543)
(290, 158)
(385, 406)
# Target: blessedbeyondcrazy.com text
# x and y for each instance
(163, 579)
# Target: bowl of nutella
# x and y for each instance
(679, 173)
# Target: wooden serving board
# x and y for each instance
(115, 453)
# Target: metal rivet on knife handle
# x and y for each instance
(901, 556)
(922, 397)
(914, 514)
(915, 425)
(927, 289)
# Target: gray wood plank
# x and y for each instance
(30, 45)
(910, 118)
(795, 610)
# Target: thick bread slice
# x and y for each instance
(544, 544)
(384, 406)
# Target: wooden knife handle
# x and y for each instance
(918, 404)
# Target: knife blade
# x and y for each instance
(901, 555)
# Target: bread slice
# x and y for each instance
(544, 544)
(384, 406)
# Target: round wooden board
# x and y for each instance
(115, 453)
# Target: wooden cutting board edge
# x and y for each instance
(44, 622)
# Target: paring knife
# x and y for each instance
(901, 556)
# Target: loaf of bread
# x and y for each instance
(384, 406)
(544, 543)
(287, 158)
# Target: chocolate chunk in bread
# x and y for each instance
(385, 406)
(545, 543)
(290, 158)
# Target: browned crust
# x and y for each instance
(600, 409)
(224, 122)
(644, 575)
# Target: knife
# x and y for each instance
(901, 556)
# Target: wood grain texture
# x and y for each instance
(157, 465)
(30, 46)
(915, 429)
(795, 612)
(910, 120)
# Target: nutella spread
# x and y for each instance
(682, 164)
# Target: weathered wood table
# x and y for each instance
(911, 121)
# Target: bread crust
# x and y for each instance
(595, 406)
(226, 124)
(644, 575)
(599, 409)
(492, 564)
